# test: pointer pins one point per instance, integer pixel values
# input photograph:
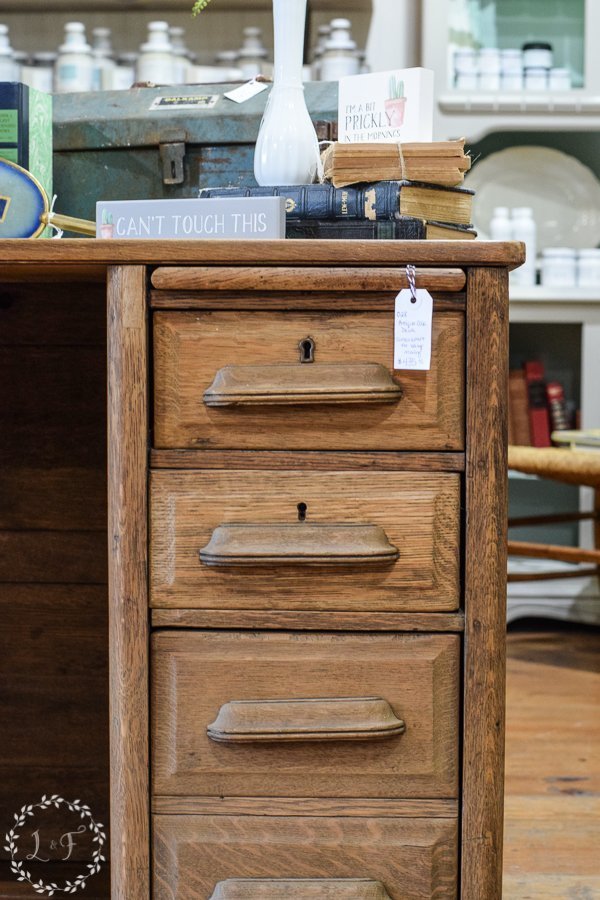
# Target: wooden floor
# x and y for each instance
(552, 830)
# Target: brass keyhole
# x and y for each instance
(307, 350)
(302, 507)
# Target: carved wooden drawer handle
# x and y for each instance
(299, 889)
(305, 543)
(324, 719)
(298, 385)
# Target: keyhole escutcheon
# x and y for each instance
(302, 507)
(307, 350)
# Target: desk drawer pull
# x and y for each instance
(326, 719)
(299, 889)
(299, 385)
(304, 543)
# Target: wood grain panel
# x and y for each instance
(189, 349)
(261, 301)
(54, 671)
(64, 557)
(308, 459)
(54, 413)
(53, 315)
(59, 499)
(419, 514)
(290, 278)
(128, 590)
(485, 584)
(306, 806)
(413, 858)
(306, 621)
(74, 252)
(195, 673)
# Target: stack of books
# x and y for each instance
(433, 162)
(536, 407)
(382, 191)
(405, 210)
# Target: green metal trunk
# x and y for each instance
(113, 146)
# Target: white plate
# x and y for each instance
(563, 193)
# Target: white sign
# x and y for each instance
(246, 91)
(386, 107)
(412, 329)
(242, 218)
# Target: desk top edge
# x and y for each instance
(94, 252)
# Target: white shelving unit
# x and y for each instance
(475, 114)
(573, 599)
(572, 27)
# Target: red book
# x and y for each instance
(539, 416)
(518, 408)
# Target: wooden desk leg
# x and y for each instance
(127, 578)
(485, 584)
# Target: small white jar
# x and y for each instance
(489, 81)
(74, 69)
(511, 61)
(155, 62)
(323, 34)
(524, 229)
(489, 61)
(467, 81)
(252, 55)
(339, 54)
(124, 73)
(104, 59)
(559, 267)
(466, 61)
(511, 81)
(536, 79)
(559, 80)
(9, 69)
(537, 54)
(227, 59)
(588, 268)
(40, 72)
(501, 228)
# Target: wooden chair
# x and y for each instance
(580, 467)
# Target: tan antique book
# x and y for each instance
(435, 162)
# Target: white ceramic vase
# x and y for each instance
(287, 150)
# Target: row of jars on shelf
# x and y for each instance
(558, 266)
(491, 69)
(165, 59)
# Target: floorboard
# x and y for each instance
(552, 810)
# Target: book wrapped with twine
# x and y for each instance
(433, 162)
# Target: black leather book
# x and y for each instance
(406, 228)
(381, 200)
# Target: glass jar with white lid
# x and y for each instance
(588, 268)
(559, 267)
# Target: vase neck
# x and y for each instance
(289, 17)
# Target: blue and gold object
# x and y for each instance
(26, 132)
(24, 208)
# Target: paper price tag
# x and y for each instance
(412, 330)
(246, 91)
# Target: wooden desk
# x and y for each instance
(441, 458)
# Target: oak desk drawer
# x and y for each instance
(338, 540)
(266, 714)
(198, 857)
(235, 380)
